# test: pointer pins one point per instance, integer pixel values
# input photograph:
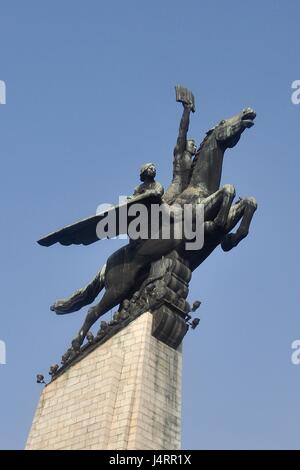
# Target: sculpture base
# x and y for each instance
(125, 394)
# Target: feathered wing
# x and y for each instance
(84, 232)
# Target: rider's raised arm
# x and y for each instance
(183, 130)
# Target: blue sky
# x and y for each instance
(90, 97)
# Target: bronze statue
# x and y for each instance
(184, 150)
(148, 185)
(158, 268)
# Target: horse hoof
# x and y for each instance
(228, 242)
(76, 345)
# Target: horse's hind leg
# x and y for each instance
(108, 301)
(244, 211)
(217, 207)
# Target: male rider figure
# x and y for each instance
(183, 157)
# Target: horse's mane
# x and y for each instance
(203, 143)
(208, 133)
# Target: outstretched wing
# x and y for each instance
(84, 232)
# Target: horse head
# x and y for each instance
(208, 161)
(228, 132)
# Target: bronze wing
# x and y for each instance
(84, 232)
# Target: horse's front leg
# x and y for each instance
(217, 207)
(244, 211)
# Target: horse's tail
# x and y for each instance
(81, 297)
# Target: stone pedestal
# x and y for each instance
(124, 394)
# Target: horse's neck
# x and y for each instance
(207, 171)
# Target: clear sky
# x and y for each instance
(90, 97)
